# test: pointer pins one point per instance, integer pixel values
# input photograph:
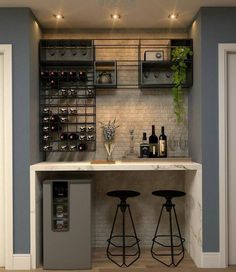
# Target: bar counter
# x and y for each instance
(193, 201)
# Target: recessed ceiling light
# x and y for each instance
(173, 16)
(58, 16)
(115, 16)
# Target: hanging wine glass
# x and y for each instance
(84, 51)
(52, 51)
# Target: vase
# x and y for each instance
(109, 148)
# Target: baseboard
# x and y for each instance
(21, 262)
(211, 260)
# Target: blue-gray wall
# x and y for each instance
(215, 25)
(17, 28)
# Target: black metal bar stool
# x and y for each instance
(125, 242)
(176, 248)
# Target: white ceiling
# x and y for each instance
(96, 13)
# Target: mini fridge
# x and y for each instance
(67, 224)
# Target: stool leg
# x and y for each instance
(136, 237)
(171, 237)
(181, 239)
(158, 223)
(123, 232)
(112, 229)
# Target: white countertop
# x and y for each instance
(116, 166)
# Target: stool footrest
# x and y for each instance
(163, 245)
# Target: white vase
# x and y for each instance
(109, 148)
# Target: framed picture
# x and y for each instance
(154, 55)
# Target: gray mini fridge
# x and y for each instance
(67, 224)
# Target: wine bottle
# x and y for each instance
(63, 76)
(64, 111)
(47, 111)
(73, 147)
(162, 144)
(73, 137)
(46, 128)
(63, 119)
(46, 137)
(64, 136)
(72, 76)
(144, 147)
(55, 127)
(47, 147)
(153, 144)
(54, 118)
(64, 147)
(82, 147)
(46, 119)
(53, 75)
(82, 76)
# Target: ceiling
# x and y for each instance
(96, 13)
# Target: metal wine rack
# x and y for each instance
(67, 96)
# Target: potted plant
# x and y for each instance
(179, 68)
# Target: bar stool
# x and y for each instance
(177, 247)
(127, 241)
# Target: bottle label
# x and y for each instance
(162, 147)
(144, 151)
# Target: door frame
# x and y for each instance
(6, 51)
(223, 51)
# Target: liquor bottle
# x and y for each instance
(162, 144)
(73, 137)
(64, 136)
(82, 147)
(144, 147)
(153, 144)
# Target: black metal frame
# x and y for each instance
(122, 207)
(169, 207)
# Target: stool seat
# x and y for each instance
(123, 194)
(168, 194)
(123, 249)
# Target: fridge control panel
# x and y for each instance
(60, 206)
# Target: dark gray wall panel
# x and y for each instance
(217, 25)
(15, 30)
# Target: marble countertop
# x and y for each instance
(144, 165)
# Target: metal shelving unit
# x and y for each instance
(72, 70)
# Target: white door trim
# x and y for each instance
(223, 51)
(6, 50)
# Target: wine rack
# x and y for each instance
(67, 96)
